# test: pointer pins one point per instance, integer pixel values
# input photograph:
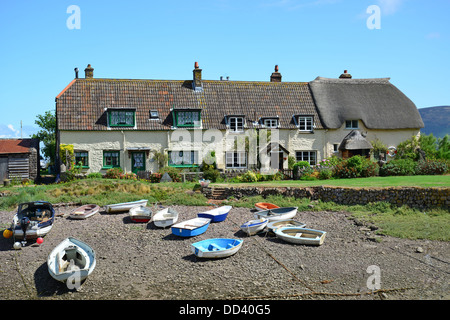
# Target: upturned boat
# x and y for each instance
(124, 206)
(254, 226)
(191, 227)
(277, 214)
(216, 214)
(140, 214)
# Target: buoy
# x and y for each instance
(39, 240)
(7, 233)
(17, 245)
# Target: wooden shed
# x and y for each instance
(19, 159)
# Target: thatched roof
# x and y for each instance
(355, 141)
(378, 103)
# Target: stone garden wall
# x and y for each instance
(412, 196)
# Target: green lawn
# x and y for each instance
(373, 182)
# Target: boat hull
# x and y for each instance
(216, 248)
(41, 217)
(254, 226)
(217, 214)
(191, 228)
(271, 226)
(124, 206)
(301, 235)
(165, 218)
(261, 206)
(84, 212)
(60, 269)
(277, 214)
(140, 214)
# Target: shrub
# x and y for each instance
(155, 177)
(325, 174)
(113, 173)
(301, 168)
(173, 172)
(356, 166)
(94, 175)
(431, 167)
(398, 167)
(249, 176)
(211, 174)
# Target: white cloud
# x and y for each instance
(8, 131)
(389, 7)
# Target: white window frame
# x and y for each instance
(233, 124)
(305, 123)
(235, 159)
(350, 124)
(271, 123)
(303, 155)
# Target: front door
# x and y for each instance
(137, 161)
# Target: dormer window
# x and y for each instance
(236, 124)
(305, 123)
(351, 124)
(270, 122)
(121, 118)
(187, 118)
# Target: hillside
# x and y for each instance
(436, 120)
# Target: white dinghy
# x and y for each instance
(165, 217)
(71, 258)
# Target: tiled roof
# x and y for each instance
(9, 146)
(83, 104)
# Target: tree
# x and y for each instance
(47, 134)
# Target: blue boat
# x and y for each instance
(216, 248)
(216, 214)
(190, 228)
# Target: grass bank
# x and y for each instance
(402, 222)
(372, 182)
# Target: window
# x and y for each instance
(111, 159)
(305, 123)
(154, 114)
(236, 124)
(183, 158)
(82, 156)
(121, 118)
(187, 118)
(335, 147)
(309, 156)
(351, 124)
(271, 123)
(236, 159)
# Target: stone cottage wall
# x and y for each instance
(412, 196)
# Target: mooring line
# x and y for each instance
(21, 275)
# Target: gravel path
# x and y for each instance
(140, 261)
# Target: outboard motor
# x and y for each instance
(24, 223)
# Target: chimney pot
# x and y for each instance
(89, 72)
(276, 76)
(345, 75)
(197, 81)
(76, 73)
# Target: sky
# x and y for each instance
(42, 41)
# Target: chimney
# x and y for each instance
(89, 72)
(76, 73)
(276, 76)
(345, 75)
(197, 82)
